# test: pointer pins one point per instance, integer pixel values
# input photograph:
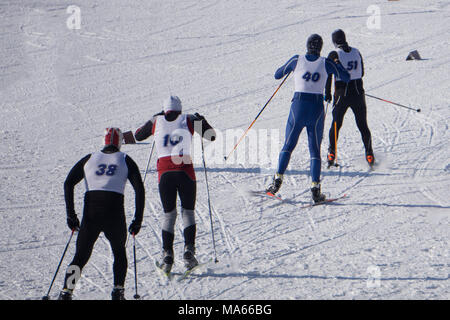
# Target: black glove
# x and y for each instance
(199, 116)
(327, 97)
(135, 227)
(73, 222)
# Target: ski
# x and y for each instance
(278, 198)
(167, 275)
(267, 195)
(188, 272)
(323, 202)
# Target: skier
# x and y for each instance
(310, 73)
(347, 95)
(173, 132)
(105, 174)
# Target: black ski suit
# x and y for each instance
(103, 212)
(348, 95)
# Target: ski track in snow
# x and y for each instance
(60, 88)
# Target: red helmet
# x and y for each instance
(113, 137)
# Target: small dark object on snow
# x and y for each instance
(414, 55)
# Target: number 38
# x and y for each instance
(102, 169)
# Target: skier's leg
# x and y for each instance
(115, 231)
(168, 194)
(315, 134)
(360, 110)
(87, 236)
(339, 110)
(294, 127)
(187, 190)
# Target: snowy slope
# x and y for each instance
(59, 88)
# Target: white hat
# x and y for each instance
(173, 103)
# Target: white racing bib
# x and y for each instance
(310, 76)
(106, 172)
(173, 138)
(352, 62)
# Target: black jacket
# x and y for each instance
(76, 174)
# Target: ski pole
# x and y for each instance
(245, 133)
(394, 103)
(47, 297)
(209, 204)
(136, 295)
(148, 162)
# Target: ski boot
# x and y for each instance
(65, 294)
(331, 158)
(189, 259)
(118, 293)
(276, 184)
(316, 194)
(167, 262)
(370, 159)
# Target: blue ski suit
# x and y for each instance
(307, 110)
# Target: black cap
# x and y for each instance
(338, 38)
(314, 44)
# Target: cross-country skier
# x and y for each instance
(105, 174)
(173, 132)
(310, 74)
(348, 94)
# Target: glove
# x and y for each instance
(135, 227)
(73, 222)
(128, 137)
(327, 97)
(199, 116)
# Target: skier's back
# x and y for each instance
(173, 132)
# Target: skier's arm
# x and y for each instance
(286, 68)
(75, 175)
(336, 68)
(134, 176)
(145, 131)
(362, 66)
(202, 127)
(332, 56)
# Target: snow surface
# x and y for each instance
(60, 88)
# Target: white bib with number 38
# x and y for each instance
(106, 172)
